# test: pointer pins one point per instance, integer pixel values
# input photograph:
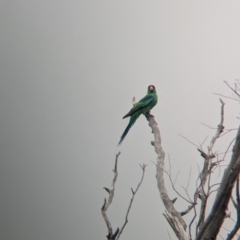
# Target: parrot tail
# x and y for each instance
(130, 124)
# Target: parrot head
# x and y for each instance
(151, 89)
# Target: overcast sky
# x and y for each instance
(68, 72)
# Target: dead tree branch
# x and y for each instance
(237, 207)
(173, 187)
(173, 217)
(116, 235)
(131, 201)
(234, 90)
(221, 95)
(206, 171)
(111, 235)
(216, 217)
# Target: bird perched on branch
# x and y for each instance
(142, 107)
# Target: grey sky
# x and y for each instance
(68, 72)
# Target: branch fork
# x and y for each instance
(116, 235)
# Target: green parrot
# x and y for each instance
(142, 107)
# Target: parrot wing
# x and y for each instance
(143, 103)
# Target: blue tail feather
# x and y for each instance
(130, 124)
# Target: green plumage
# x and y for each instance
(142, 107)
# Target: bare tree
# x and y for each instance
(207, 225)
(207, 228)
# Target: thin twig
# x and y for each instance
(189, 177)
(205, 174)
(173, 186)
(219, 129)
(191, 222)
(131, 201)
(203, 142)
(232, 89)
(170, 178)
(227, 131)
(208, 126)
(226, 96)
(188, 140)
(228, 149)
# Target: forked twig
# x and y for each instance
(116, 235)
(107, 203)
(221, 95)
(206, 171)
(234, 90)
(173, 186)
(131, 201)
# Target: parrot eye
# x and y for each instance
(151, 87)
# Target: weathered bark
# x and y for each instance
(209, 229)
(216, 217)
(237, 207)
(173, 217)
(107, 203)
(204, 175)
